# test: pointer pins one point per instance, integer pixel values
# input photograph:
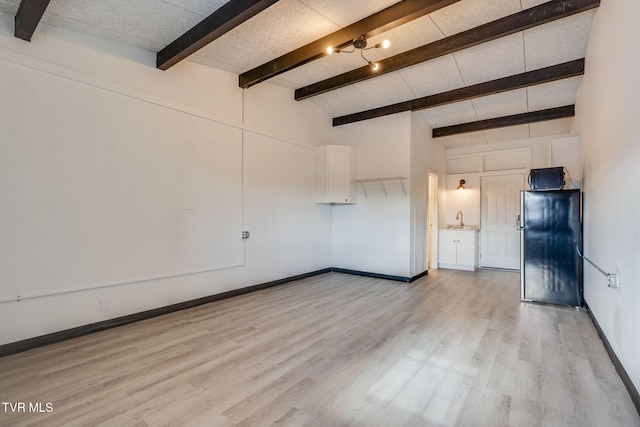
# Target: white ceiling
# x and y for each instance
(289, 24)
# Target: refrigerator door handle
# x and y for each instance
(521, 228)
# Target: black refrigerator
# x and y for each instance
(551, 261)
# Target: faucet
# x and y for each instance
(459, 217)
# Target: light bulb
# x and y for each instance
(386, 44)
(330, 50)
(374, 66)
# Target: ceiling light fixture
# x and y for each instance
(361, 44)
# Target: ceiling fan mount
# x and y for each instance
(359, 43)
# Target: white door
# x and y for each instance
(499, 205)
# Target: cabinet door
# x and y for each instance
(339, 174)
(447, 249)
(467, 248)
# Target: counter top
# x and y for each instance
(461, 227)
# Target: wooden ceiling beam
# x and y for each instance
(500, 122)
(528, 18)
(28, 17)
(518, 81)
(227, 17)
(391, 17)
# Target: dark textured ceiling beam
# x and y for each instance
(391, 17)
(500, 122)
(518, 81)
(227, 17)
(538, 15)
(28, 17)
(387, 110)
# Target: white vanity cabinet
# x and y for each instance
(335, 172)
(458, 249)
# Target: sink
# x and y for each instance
(462, 227)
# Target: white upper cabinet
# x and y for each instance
(335, 172)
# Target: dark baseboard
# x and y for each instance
(31, 343)
(418, 276)
(626, 380)
(381, 276)
(67, 334)
(374, 275)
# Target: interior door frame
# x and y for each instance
(432, 174)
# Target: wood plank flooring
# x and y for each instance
(451, 349)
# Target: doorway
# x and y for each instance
(499, 206)
(432, 221)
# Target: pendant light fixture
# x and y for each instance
(361, 44)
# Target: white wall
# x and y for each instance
(374, 235)
(137, 182)
(385, 234)
(466, 201)
(566, 152)
(427, 155)
(607, 117)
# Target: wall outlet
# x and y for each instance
(105, 305)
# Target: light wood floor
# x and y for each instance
(451, 349)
